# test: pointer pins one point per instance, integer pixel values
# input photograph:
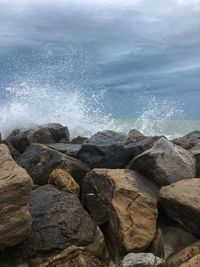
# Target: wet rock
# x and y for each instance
(78, 140)
(165, 163)
(181, 202)
(105, 150)
(134, 136)
(196, 153)
(187, 257)
(125, 200)
(189, 140)
(142, 260)
(15, 187)
(40, 160)
(68, 149)
(45, 134)
(64, 181)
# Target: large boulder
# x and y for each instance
(68, 149)
(40, 160)
(45, 134)
(165, 163)
(181, 202)
(187, 257)
(142, 260)
(127, 202)
(134, 136)
(105, 150)
(189, 140)
(15, 187)
(196, 153)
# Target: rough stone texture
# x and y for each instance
(45, 134)
(40, 160)
(134, 136)
(165, 163)
(136, 148)
(189, 140)
(186, 257)
(15, 187)
(142, 260)
(78, 140)
(58, 221)
(68, 149)
(181, 202)
(125, 200)
(64, 181)
(196, 152)
(14, 153)
(105, 150)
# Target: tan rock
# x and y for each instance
(15, 187)
(63, 180)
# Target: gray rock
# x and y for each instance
(189, 140)
(68, 149)
(40, 160)
(134, 136)
(78, 140)
(142, 260)
(196, 152)
(165, 163)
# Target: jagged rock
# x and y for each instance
(196, 153)
(142, 260)
(15, 187)
(189, 140)
(68, 149)
(181, 202)
(40, 160)
(187, 257)
(125, 200)
(165, 163)
(45, 134)
(134, 136)
(105, 150)
(64, 181)
(78, 140)
(136, 148)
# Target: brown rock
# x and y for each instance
(15, 187)
(181, 202)
(134, 136)
(125, 200)
(78, 140)
(64, 181)
(196, 152)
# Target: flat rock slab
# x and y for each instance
(181, 202)
(165, 163)
(125, 200)
(40, 160)
(15, 188)
(68, 149)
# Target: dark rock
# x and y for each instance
(181, 202)
(165, 163)
(45, 134)
(136, 148)
(14, 153)
(58, 221)
(105, 150)
(134, 136)
(78, 140)
(189, 140)
(125, 200)
(40, 160)
(68, 149)
(196, 153)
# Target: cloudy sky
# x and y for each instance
(131, 47)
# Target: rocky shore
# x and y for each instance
(111, 200)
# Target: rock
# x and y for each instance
(58, 221)
(189, 140)
(165, 163)
(78, 140)
(68, 149)
(186, 256)
(105, 150)
(136, 148)
(64, 181)
(40, 160)
(196, 153)
(14, 153)
(142, 260)
(15, 187)
(134, 136)
(181, 202)
(45, 134)
(125, 200)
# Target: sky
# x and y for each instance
(130, 48)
